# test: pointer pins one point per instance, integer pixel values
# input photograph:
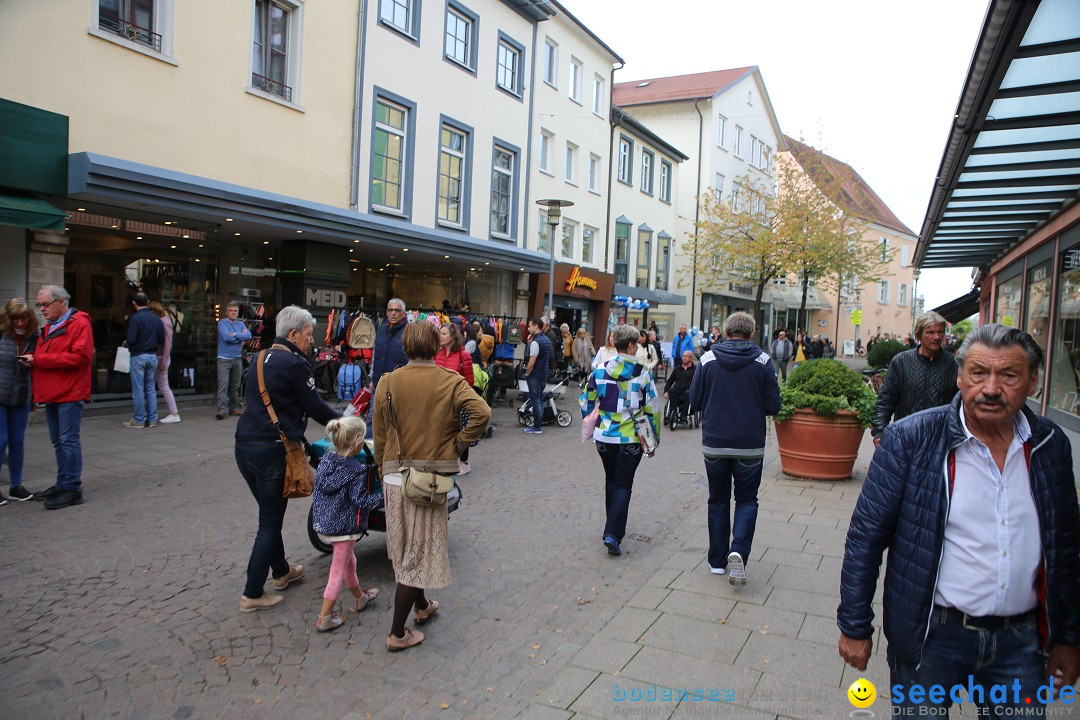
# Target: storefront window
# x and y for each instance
(1037, 309)
(1065, 368)
(1007, 310)
(622, 253)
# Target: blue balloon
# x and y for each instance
(694, 331)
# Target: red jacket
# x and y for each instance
(459, 362)
(62, 361)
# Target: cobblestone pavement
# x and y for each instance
(127, 606)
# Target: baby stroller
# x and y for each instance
(552, 414)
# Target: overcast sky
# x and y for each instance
(874, 83)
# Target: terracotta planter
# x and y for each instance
(817, 447)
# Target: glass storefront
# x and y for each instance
(484, 291)
(1065, 359)
(1037, 309)
(1007, 307)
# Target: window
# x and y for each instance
(644, 256)
(389, 155)
(569, 238)
(883, 291)
(718, 188)
(571, 163)
(598, 95)
(270, 49)
(626, 160)
(663, 261)
(1007, 311)
(502, 190)
(665, 181)
(546, 140)
(738, 141)
(587, 236)
(551, 62)
(737, 197)
(576, 79)
(452, 181)
(133, 20)
(721, 130)
(622, 252)
(461, 26)
(509, 70)
(1064, 386)
(594, 173)
(647, 172)
(542, 232)
(901, 294)
(905, 255)
(402, 15)
(884, 249)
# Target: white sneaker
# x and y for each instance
(168, 419)
(463, 468)
(717, 571)
(736, 569)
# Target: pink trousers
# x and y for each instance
(342, 567)
(162, 377)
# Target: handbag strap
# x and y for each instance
(263, 392)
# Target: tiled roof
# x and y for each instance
(678, 87)
(857, 196)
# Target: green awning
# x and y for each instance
(29, 212)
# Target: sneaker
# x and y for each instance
(151, 424)
(220, 416)
(736, 569)
(20, 493)
(236, 412)
(133, 425)
(532, 431)
(263, 602)
(3, 500)
(46, 494)
(170, 419)
(412, 638)
(422, 616)
(612, 544)
(295, 573)
(717, 571)
(63, 499)
(463, 468)
(326, 623)
(366, 596)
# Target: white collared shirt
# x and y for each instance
(992, 549)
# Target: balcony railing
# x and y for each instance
(117, 25)
(271, 86)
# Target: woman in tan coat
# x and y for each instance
(427, 403)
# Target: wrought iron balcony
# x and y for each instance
(271, 86)
(117, 25)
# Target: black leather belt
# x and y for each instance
(986, 622)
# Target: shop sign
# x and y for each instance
(324, 298)
(743, 289)
(577, 280)
(1072, 260)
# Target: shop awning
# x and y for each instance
(786, 297)
(29, 212)
(962, 307)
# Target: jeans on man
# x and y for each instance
(536, 397)
(228, 383)
(143, 387)
(723, 537)
(620, 463)
(952, 652)
(13, 419)
(781, 365)
(64, 420)
(262, 463)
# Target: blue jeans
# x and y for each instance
(13, 420)
(991, 657)
(723, 538)
(620, 463)
(536, 397)
(64, 420)
(262, 463)
(143, 387)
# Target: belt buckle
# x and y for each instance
(964, 623)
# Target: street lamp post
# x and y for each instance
(554, 214)
(914, 300)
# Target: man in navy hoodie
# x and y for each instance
(735, 388)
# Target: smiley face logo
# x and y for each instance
(862, 693)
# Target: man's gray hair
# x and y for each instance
(928, 319)
(57, 292)
(740, 324)
(624, 336)
(399, 301)
(232, 303)
(292, 317)
(997, 337)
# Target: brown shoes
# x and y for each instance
(263, 602)
(295, 573)
(422, 616)
(411, 639)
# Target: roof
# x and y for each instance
(857, 198)
(1012, 160)
(695, 86)
(581, 26)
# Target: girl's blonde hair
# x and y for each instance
(346, 433)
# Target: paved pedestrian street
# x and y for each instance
(127, 606)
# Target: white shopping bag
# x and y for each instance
(123, 360)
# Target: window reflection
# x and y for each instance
(1065, 368)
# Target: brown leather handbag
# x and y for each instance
(299, 475)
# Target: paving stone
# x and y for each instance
(648, 597)
(567, 686)
(688, 711)
(807, 579)
(780, 693)
(788, 557)
(605, 654)
(678, 670)
(601, 699)
(809, 661)
(812, 603)
(696, 605)
(765, 620)
(540, 712)
(706, 640)
(629, 624)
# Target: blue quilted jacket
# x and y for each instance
(903, 507)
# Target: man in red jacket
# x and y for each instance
(61, 380)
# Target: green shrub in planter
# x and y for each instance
(882, 353)
(826, 386)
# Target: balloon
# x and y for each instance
(694, 330)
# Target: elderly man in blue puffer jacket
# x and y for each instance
(977, 506)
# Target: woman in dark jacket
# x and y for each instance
(260, 454)
(18, 336)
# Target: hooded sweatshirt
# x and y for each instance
(735, 388)
(622, 388)
(341, 501)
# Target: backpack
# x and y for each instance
(513, 335)
(480, 379)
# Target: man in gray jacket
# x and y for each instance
(782, 352)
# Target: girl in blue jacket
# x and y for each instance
(339, 509)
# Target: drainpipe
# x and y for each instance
(611, 167)
(529, 144)
(358, 90)
(697, 214)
